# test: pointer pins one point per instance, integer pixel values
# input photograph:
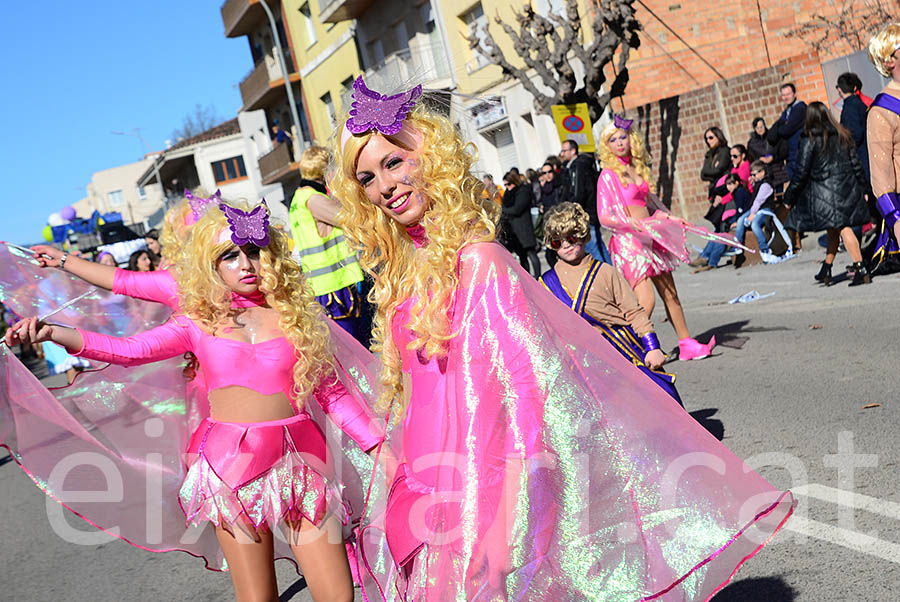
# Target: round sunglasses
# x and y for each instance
(556, 243)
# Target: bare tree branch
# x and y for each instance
(855, 22)
(548, 44)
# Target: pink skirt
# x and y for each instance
(259, 473)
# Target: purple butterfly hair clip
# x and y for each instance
(371, 110)
(622, 123)
(248, 227)
(199, 205)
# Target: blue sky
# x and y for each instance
(73, 72)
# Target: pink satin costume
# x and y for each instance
(261, 473)
(656, 249)
(536, 463)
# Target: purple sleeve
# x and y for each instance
(349, 413)
(764, 192)
(158, 286)
(165, 341)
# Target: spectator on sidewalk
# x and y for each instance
(762, 209)
(853, 115)
(759, 149)
(579, 185)
(828, 189)
(140, 261)
(491, 190)
(549, 199)
(789, 126)
(716, 164)
(739, 203)
(515, 214)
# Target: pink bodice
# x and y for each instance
(424, 421)
(266, 367)
(636, 195)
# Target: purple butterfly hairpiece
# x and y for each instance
(371, 110)
(622, 123)
(248, 227)
(199, 205)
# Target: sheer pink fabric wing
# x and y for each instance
(564, 473)
(30, 290)
(124, 430)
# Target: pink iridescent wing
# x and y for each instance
(371, 110)
(248, 227)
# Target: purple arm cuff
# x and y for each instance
(650, 342)
(888, 206)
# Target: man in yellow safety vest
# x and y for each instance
(328, 262)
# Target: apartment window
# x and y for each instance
(142, 194)
(229, 170)
(310, 25)
(346, 91)
(116, 198)
(476, 21)
(329, 106)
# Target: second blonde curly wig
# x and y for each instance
(640, 156)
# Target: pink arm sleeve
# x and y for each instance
(165, 341)
(158, 286)
(349, 413)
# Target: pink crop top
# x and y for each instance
(158, 286)
(636, 196)
(265, 367)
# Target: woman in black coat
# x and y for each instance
(717, 162)
(828, 190)
(515, 216)
(759, 149)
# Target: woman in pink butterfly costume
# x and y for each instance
(647, 242)
(259, 462)
(528, 459)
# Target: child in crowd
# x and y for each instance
(600, 294)
(739, 202)
(763, 207)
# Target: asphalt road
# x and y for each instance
(786, 387)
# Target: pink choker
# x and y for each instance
(418, 236)
(625, 160)
(239, 301)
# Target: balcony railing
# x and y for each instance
(276, 164)
(334, 11)
(256, 90)
(241, 16)
(421, 66)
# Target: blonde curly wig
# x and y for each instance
(456, 216)
(564, 219)
(640, 156)
(882, 47)
(174, 232)
(207, 300)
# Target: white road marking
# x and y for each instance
(850, 499)
(843, 537)
(852, 540)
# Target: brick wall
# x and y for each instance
(732, 37)
(674, 126)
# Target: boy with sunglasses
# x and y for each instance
(600, 294)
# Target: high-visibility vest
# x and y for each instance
(328, 263)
